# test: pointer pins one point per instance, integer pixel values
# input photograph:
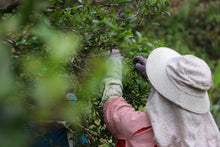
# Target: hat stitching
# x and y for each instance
(182, 86)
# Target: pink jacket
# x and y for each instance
(125, 123)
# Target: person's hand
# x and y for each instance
(140, 65)
(116, 53)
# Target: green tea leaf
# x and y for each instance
(216, 79)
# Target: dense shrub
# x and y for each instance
(50, 48)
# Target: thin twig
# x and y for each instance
(88, 130)
(81, 69)
(118, 18)
(130, 96)
(64, 124)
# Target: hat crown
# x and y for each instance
(191, 72)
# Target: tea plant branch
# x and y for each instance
(10, 41)
(88, 130)
(66, 126)
(131, 17)
(132, 97)
(64, 123)
(79, 68)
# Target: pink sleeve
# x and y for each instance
(122, 120)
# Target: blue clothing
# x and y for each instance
(56, 137)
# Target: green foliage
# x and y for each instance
(194, 27)
(49, 48)
(217, 75)
(216, 95)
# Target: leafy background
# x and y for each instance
(52, 47)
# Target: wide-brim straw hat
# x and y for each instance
(184, 80)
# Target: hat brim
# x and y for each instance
(156, 71)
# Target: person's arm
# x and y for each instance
(113, 78)
(123, 121)
(113, 88)
(121, 118)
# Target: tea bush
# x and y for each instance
(50, 48)
(53, 47)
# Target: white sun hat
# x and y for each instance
(184, 80)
